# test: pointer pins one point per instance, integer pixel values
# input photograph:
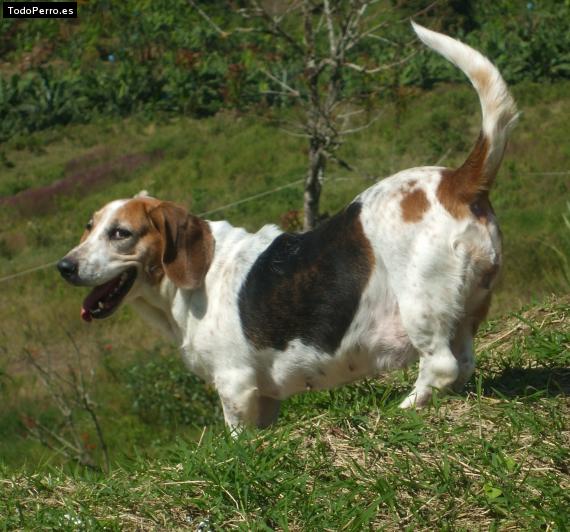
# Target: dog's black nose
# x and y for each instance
(67, 268)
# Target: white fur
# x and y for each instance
(497, 105)
(101, 263)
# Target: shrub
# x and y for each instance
(164, 392)
(127, 57)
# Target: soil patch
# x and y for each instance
(40, 200)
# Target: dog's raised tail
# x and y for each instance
(477, 173)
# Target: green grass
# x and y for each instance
(494, 458)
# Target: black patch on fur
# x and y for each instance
(308, 286)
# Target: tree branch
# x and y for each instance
(281, 83)
(68, 394)
(360, 128)
(275, 26)
(203, 14)
(380, 68)
(88, 404)
(330, 28)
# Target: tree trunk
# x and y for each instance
(313, 184)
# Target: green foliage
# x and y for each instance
(533, 43)
(121, 58)
(560, 274)
(165, 393)
(35, 102)
(163, 57)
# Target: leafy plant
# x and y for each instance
(164, 392)
(157, 57)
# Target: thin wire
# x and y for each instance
(229, 205)
(25, 272)
(217, 209)
(567, 172)
(250, 198)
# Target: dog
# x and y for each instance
(405, 271)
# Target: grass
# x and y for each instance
(494, 458)
(349, 459)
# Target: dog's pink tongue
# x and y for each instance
(86, 315)
(98, 293)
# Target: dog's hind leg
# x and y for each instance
(430, 330)
(439, 370)
(462, 345)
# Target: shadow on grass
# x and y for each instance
(520, 382)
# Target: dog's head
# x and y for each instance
(131, 242)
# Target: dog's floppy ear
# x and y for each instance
(187, 244)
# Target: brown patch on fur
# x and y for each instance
(187, 244)
(482, 209)
(149, 248)
(480, 313)
(408, 185)
(488, 276)
(94, 219)
(482, 78)
(414, 205)
(458, 189)
(135, 212)
(149, 243)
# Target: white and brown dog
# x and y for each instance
(404, 271)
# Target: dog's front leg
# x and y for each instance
(242, 403)
(268, 411)
(240, 398)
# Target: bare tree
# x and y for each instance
(331, 30)
(68, 389)
(328, 36)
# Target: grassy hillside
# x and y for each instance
(344, 458)
(495, 458)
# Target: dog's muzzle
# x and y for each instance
(68, 269)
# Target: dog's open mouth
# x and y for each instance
(104, 299)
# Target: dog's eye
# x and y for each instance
(118, 233)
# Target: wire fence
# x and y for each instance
(253, 197)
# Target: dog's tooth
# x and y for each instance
(101, 305)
